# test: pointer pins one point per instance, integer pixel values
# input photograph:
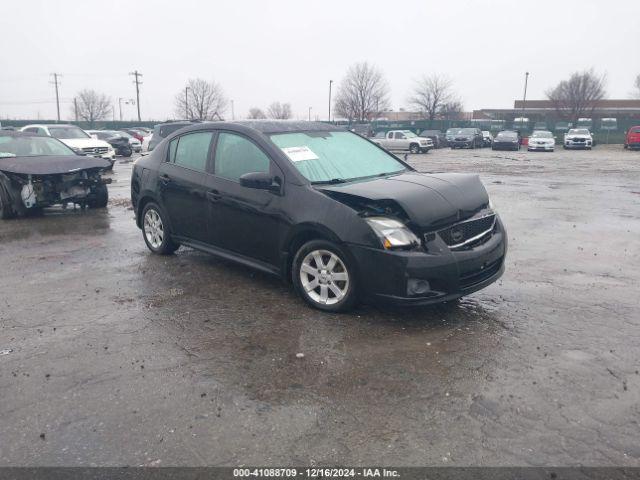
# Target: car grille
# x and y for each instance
(478, 275)
(469, 233)
(95, 150)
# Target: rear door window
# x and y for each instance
(191, 150)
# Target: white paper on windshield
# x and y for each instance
(299, 154)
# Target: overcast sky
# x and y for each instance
(262, 51)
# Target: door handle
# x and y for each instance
(213, 195)
(165, 179)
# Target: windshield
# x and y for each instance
(67, 132)
(579, 131)
(335, 156)
(32, 146)
(507, 135)
(465, 131)
(409, 134)
(542, 134)
(451, 131)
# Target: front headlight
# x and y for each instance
(392, 233)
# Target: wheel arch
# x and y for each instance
(298, 236)
(144, 199)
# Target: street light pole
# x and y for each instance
(233, 113)
(309, 113)
(330, 82)
(524, 98)
(120, 106)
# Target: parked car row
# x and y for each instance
(538, 140)
(97, 143)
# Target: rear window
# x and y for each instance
(167, 130)
(635, 130)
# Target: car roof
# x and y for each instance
(16, 133)
(269, 126)
(51, 125)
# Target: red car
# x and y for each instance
(632, 140)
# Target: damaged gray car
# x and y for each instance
(38, 172)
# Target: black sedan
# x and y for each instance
(466, 138)
(439, 138)
(117, 140)
(506, 140)
(321, 207)
(38, 171)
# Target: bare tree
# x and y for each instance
(279, 111)
(256, 113)
(431, 94)
(451, 110)
(363, 93)
(201, 100)
(577, 97)
(92, 106)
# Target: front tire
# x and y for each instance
(101, 197)
(155, 230)
(414, 148)
(324, 276)
(6, 205)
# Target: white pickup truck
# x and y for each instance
(403, 140)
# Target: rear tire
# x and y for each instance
(324, 276)
(155, 230)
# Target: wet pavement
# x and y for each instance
(112, 356)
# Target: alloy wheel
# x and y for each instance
(153, 228)
(324, 277)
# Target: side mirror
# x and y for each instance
(259, 180)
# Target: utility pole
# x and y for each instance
(55, 82)
(186, 103)
(137, 81)
(330, 82)
(75, 107)
(120, 107)
(524, 98)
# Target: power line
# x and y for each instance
(137, 81)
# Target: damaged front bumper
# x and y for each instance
(433, 274)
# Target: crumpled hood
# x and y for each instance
(429, 200)
(51, 165)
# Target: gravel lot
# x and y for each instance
(112, 356)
